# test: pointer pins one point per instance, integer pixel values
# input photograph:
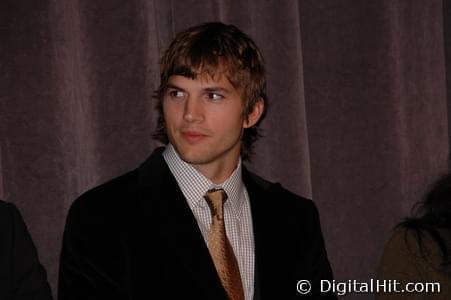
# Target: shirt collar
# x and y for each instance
(194, 184)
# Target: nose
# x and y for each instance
(193, 110)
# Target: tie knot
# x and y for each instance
(215, 199)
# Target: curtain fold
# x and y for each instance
(357, 120)
(376, 107)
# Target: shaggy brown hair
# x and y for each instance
(215, 49)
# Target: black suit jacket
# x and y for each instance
(21, 275)
(135, 237)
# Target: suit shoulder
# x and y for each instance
(8, 213)
(276, 187)
(6, 208)
(286, 199)
(296, 205)
(108, 195)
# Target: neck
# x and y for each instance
(218, 172)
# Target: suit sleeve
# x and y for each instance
(89, 264)
(28, 277)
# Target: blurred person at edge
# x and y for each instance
(419, 250)
(22, 277)
(146, 234)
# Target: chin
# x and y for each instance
(194, 158)
(195, 155)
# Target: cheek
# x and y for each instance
(169, 113)
(164, 109)
(230, 121)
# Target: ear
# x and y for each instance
(255, 114)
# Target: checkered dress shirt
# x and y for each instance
(237, 212)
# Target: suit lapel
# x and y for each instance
(170, 211)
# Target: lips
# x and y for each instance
(193, 136)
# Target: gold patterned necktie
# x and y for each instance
(219, 246)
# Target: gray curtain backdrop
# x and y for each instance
(358, 116)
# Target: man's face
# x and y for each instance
(204, 120)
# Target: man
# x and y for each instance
(191, 222)
(22, 276)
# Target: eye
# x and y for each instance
(215, 96)
(176, 94)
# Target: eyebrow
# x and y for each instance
(217, 89)
(173, 86)
(207, 89)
